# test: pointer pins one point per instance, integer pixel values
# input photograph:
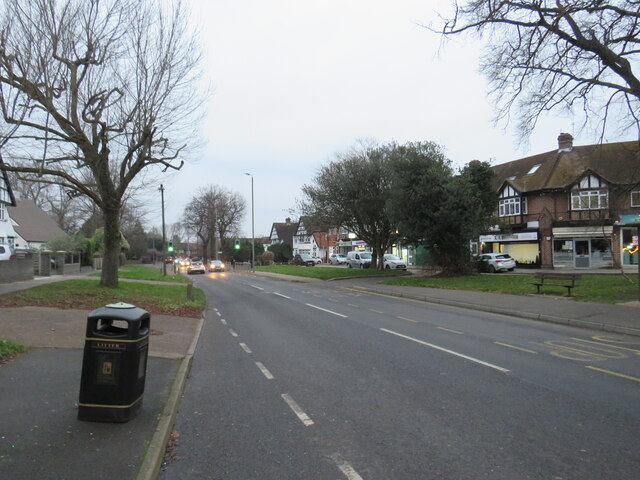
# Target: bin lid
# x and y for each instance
(120, 305)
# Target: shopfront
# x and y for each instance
(629, 226)
(582, 247)
(523, 247)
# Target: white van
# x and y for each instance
(358, 259)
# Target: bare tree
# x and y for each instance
(544, 55)
(94, 95)
(213, 213)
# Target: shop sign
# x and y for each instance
(630, 219)
(510, 237)
(344, 243)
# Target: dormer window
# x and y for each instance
(591, 193)
(511, 202)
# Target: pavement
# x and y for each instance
(41, 437)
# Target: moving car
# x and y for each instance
(168, 260)
(216, 266)
(358, 259)
(195, 267)
(392, 261)
(7, 252)
(337, 259)
(495, 262)
(304, 259)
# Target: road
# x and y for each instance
(317, 381)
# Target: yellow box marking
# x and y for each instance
(616, 374)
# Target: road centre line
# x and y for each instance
(446, 350)
(451, 331)
(264, 371)
(325, 310)
(621, 375)
(344, 467)
(281, 295)
(233, 333)
(223, 321)
(256, 287)
(515, 348)
(304, 418)
(376, 311)
(407, 319)
(245, 348)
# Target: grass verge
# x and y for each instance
(142, 272)
(9, 349)
(87, 295)
(590, 288)
(323, 273)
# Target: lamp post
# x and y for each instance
(253, 235)
(164, 237)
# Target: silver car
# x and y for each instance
(392, 261)
(496, 262)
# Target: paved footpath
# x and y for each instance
(40, 435)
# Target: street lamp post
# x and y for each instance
(253, 235)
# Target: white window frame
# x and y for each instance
(635, 195)
(509, 207)
(589, 199)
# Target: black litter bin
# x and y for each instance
(114, 364)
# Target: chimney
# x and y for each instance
(565, 142)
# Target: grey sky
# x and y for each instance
(296, 81)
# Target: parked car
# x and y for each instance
(337, 259)
(495, 262)
(195, 267)
(304, 259)
(216, 266)
(7, 252)
(357, 259)
(392, 261)
(317, 260)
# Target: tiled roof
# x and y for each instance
(617, 163)
(32, 223)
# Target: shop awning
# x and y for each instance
(582, 232)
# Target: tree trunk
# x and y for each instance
(111, 261)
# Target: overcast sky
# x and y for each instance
(296, 81)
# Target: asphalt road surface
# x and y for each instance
(317, 381)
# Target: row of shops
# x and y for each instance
(584, 247)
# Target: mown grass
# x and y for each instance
(142, 272)
(610, 288)
(88, 295)
(9, 349)
(323, 273)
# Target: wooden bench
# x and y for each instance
(566, 280)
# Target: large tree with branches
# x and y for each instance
(94, 95)
(544, 55)
(213, 213)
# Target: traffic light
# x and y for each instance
(170, 247)
(237, 245)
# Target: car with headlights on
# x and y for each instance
(216, 266)
(195, 267)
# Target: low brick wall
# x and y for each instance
(17, 270)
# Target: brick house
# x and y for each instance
(567, 208)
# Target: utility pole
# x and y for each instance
(253, 235)
(164, 237)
